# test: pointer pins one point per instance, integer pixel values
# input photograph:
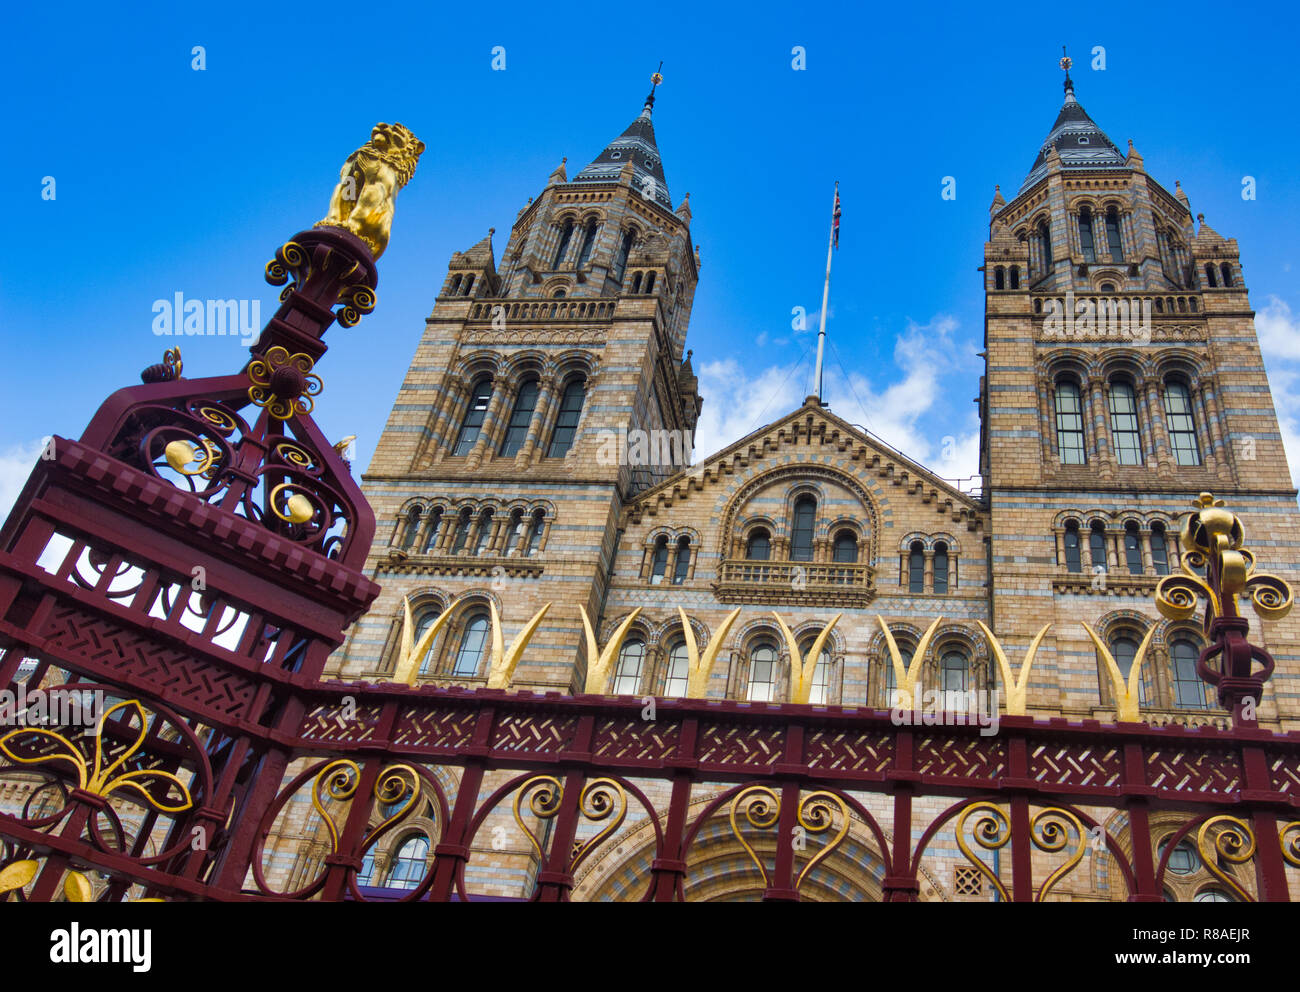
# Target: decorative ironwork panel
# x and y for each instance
(732, 744)
(1284, 772)
(1063, 763)
(343, 722)
(533, 733)
(960, 757)
(423, 726)
(1193, 768)
(641, 740)
(835, 750)
(173, 671)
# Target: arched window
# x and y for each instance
(1159, 549)
(535, 535)
(1097, 545)
(1015, 277)
(515, 533)
(566, 235)
(431, 534)
(588, 242)
(762, 673)
(941, 567)
(1112, 235)
(1209, 275)
(1183, 859)
(566, 421)
(1181, 423)
(999, 278)
(468, 285)
(455, 286)
(846, 547)
(480, 397)
(412, 527)
(1124, 649)
(1045, 243)
(1189, 690)
(650, 282)
(1085, 235)
(462, 531)
(631, 656)
(916, 567)
(1073, 559)
(678, 673)
(484, 532)
(759, 545)
(1069, 422)
(1160, 305)
(636, 283)
(409, 863)
(520, 418)
(620, 257)
(659, 563)
(1212, 895)
(421, 628)
(1124, 430)
(366, 873)
(821, 681)
(1226, 270)
(801, 534)
(473, 644)
(1132, 549)
(953, 675)
(683, 566)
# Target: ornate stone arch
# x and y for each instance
(805, 474)
(905, 545)
(478, 364)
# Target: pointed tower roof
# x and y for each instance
(637, 146)
(1079, 142)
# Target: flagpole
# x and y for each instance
(826, 294)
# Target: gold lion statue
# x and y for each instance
(368, 184)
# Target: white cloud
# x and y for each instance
(1279, 334)
(736, 404)
(16, 464)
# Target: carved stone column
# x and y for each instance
(1159, 433)
(446, 422)
(490, 418)
(541, 413)
(1214, 430)
(1105, 459)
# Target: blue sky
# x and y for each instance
(174, 180)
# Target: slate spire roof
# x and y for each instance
(636, 145)
(1079, 142)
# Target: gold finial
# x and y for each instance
(363, 200)
(657, 77)
(1065, 62)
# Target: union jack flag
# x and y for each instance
(835, 219)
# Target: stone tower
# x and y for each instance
(502, 473)
(1123, 377)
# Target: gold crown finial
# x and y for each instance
(657, 77)
(1066, 61)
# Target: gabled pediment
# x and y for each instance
(814, 431)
